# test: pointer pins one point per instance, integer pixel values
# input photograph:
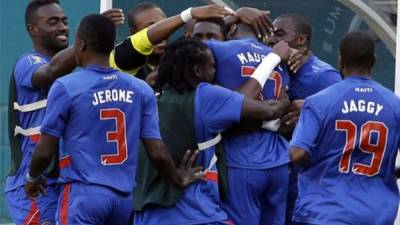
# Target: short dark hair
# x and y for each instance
(300, 23)
(357, 50)
(98, 32)
(33, 6)
(143, 6)
(178, 63)
(216, 20)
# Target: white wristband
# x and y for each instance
(186, 15)
(263, 71)
(272, 125)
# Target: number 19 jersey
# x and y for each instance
(351, 133)
(100, 114)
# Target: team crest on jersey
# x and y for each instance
(35, 59)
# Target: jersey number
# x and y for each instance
(247, 71)
(376, 149)
(119, 136)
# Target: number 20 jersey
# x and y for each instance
(351, 133)
(100, 114)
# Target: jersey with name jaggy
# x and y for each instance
(351, 133)
(100, 114)
(313, 76)
(24, 69)
(216, 109)
(235, 61)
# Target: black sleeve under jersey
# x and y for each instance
(127, 57)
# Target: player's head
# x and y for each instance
(292, 28)
(95, 38)
(186, 63)
(357, 54)
(212, 28)
(47, 25)
(241, 31)
(144, 15)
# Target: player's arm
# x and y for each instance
(305, 135)
(44, 153)
(132, 52)
(264, 111)
(183, 175)
(280, 53)
(62, 63)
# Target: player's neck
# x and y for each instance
(354, 71)
(45, 51)
(96, 59)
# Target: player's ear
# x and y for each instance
(131, 30)
(301, 40)
(32, 30)
(231, 31)
(82, 45)
(198, 71)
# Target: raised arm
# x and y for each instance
(62, 63)
(131, 53)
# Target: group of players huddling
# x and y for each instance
(236, 122)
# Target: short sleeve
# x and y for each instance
(150, 128)
(307, 129)
(327, 79)
(25, 68)
(58, 105)
(219, 107)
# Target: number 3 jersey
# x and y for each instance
(100, 114)
(351, 134)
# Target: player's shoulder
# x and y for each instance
(327, 96)
(320, 67)
(30, 58)
(138, 84)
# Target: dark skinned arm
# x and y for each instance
(182, 176)
(299, 156)
(45, 151)
(62, 63)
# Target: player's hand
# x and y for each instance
(289, 120)
(258, 19)
(115, 15)
(297, 59)
(33, 190)
(283, 100)
(187, 171)
(209, 11)
(283, 50)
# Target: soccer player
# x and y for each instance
(32, 76)
(139, 17)
(314, 74)
(257, 161)
(309, 76)
(185, 74)
(97, 116)
(347, 140)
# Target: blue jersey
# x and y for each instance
(100, 114)
(312, 77)
(235, 62)
(216, 109)
(351, 133)
(31, 103)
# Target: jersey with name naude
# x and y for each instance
(100, 114)
(216, 109)
(30, 119)
(235, 62)
(351, 133)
